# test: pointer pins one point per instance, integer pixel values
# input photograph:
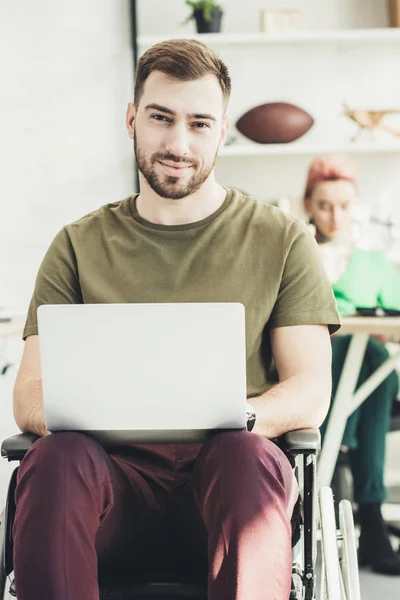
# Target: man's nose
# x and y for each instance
(177, 142)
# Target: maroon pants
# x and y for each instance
(225, 505)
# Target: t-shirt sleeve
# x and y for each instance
(57, 281)
(305, 295)
(389, 292)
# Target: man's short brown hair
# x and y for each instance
(182, 59)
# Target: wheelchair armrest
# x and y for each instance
(15, 447)
(302, 441)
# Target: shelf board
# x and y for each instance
(302, 149)
(345, 36)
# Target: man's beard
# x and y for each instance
(170, 187)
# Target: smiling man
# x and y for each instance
(177, 137)
(184, 238)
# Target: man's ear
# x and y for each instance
(225, 128)
(130, 119)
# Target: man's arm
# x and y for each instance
(28, 397)
(302, 355)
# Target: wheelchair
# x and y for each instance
(339, 572)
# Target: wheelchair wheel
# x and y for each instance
(349, 561)
(331, 583)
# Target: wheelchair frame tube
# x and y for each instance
(9, 520)
(309, 510)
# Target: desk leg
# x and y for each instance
(338, 418)
(372, 382)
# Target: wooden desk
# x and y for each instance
(347, 399)
(370, 325)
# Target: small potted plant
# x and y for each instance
(207, 14)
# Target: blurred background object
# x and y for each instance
(371, 121)
(394, 13)
(280, 20)
(207, 15)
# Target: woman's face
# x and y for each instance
(330, 206)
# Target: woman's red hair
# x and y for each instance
(336, 167)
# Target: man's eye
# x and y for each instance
(199, 125)
(159, 117)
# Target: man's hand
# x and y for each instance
(40, 429)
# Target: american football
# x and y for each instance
(275, 123)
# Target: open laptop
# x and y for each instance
(137, 373)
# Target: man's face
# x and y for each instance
(177, 128)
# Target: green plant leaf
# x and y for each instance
(206, 6)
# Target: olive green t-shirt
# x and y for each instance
(246, 252)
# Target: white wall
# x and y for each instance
(66, 78)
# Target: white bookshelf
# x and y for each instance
(336, 36)
(341, 55)
(340, 36)
(302, 149)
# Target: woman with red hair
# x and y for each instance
(359, 278)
